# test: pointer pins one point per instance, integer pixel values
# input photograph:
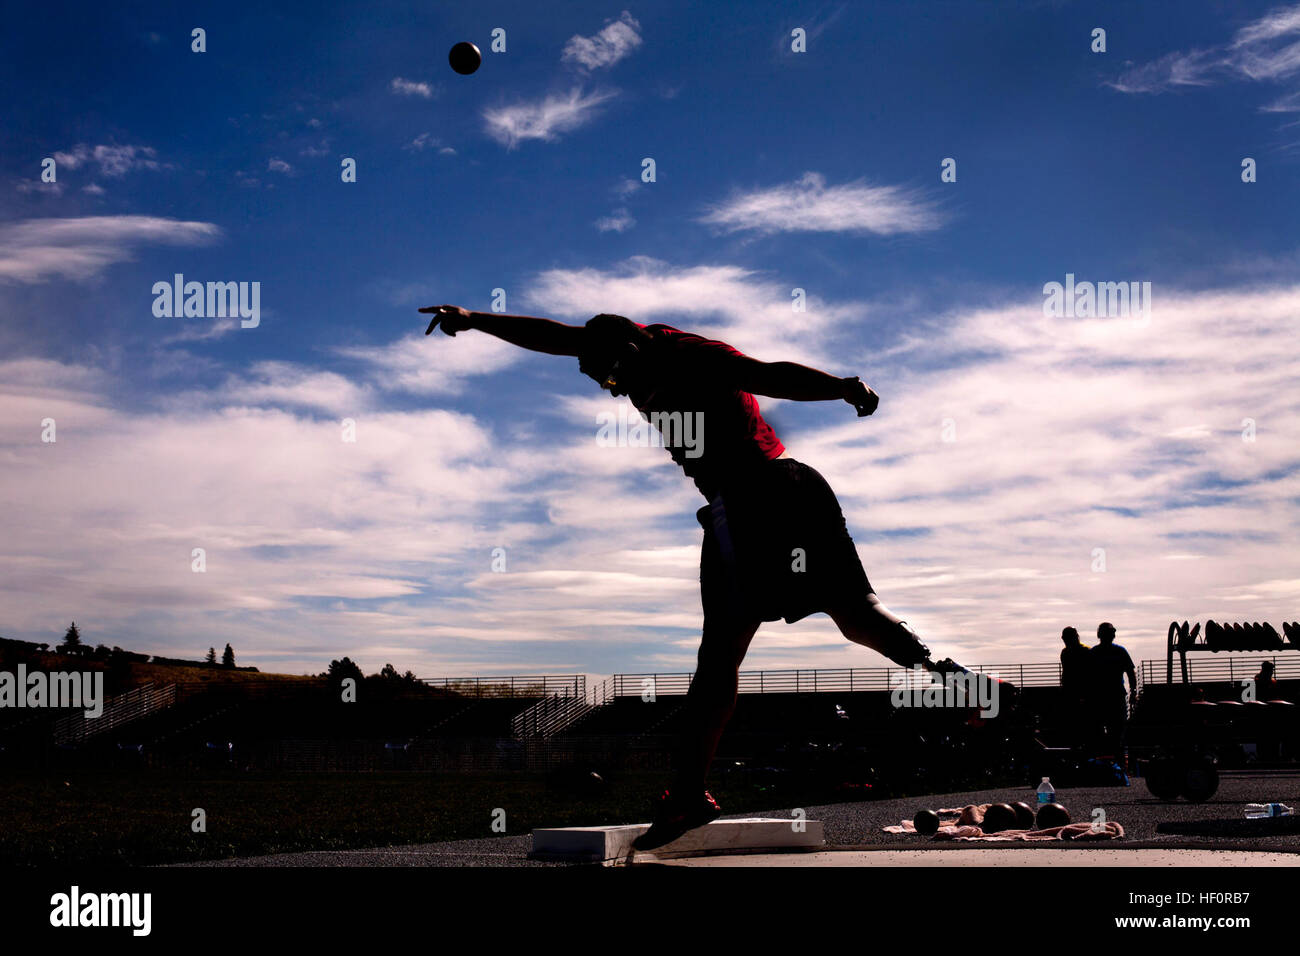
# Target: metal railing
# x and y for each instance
(134, 704)
(557, 713)
(828, 680)
(550, 716)
(1223, 667)
(602, 693)
(554, 714)
(543, 685)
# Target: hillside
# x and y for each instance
(122, 673)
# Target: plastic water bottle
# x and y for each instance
(1258, 811)
(1046, 792)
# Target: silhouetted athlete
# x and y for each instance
(775, 542)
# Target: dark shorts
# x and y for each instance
(777, 547)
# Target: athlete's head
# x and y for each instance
(612, 352)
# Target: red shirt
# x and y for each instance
(690, 375)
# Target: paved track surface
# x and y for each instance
(1216, 824)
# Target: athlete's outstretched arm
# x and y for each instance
(801, 383)
(526, 331)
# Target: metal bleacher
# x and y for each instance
(1217, 638)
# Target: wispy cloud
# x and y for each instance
(432, 364)
(813, 25)
(427, 141)
(35, 250)
(1196, 68)
(620, 220)
(287, 385)
(613, 43)
(544, 119)
(1267, 50)
(111, 161)
(750, 309)
(29, 186)
(207, 331)
(411, 88)
(809, 205)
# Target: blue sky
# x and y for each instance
(775, 170)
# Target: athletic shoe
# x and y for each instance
(674, 817)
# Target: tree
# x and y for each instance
(228, 657)
(389, 673)
(212, 656)
(342, 669)
(72, 638)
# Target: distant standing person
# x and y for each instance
(1075, 683)
(1110, 664)
(1269, 744)
(1266, 681)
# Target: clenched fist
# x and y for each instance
(860, 395)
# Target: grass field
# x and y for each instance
(145, 818)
